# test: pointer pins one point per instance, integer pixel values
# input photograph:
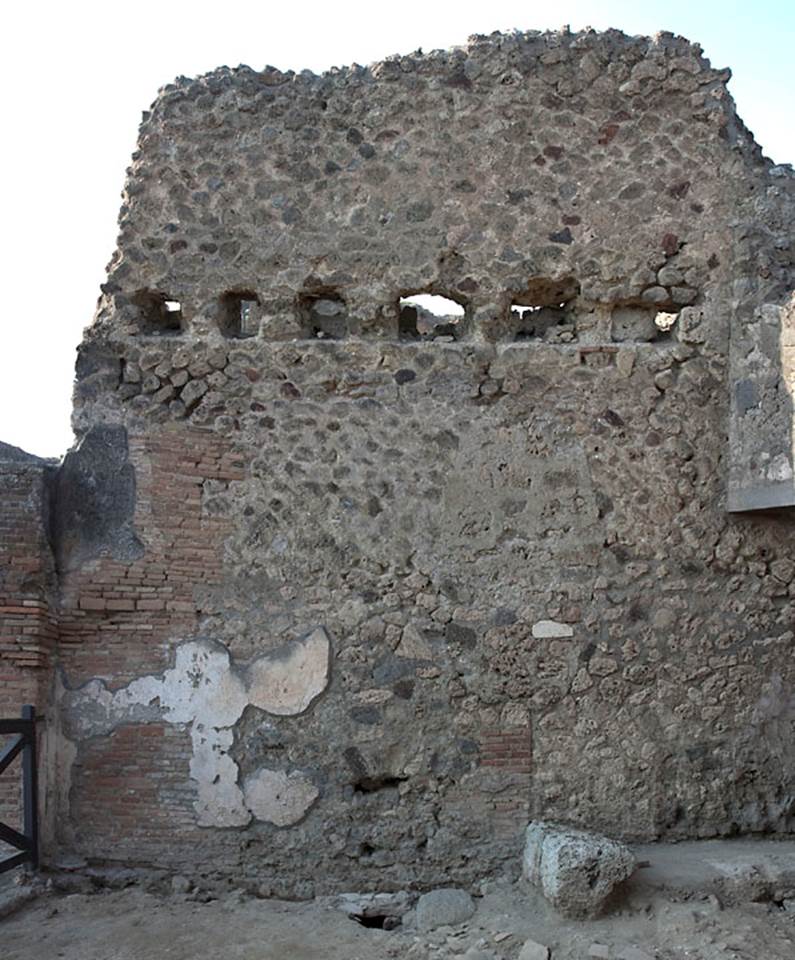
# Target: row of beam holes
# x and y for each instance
(323, 316)
(557, 324)
(422, 316)
(542, 314)
(161, 315)
(545, 312)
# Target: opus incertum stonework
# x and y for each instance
(329, 595)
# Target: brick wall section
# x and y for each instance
(119, 620)
(28, 628)
(508, 751)
(131, 791)
(496, 796)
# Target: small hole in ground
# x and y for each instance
(426, 316)
(378, 921)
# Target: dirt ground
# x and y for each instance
(131, 924)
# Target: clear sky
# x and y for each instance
(77, 75)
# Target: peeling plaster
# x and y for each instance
(288, 680)
(206, 690)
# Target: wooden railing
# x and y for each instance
(24, 733)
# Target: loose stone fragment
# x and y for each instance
(548, 629)
(533, 951)
(634, 953)
(444, 908)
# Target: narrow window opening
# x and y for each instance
(425, 316)
(240, 315)
(158, 314)
(642, 324)
(553, 324)
(544, 311)
(324, 316)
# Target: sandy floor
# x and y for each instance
(133, 925)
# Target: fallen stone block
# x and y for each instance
(445, 907)
(575, 870)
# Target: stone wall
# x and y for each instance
(344, 603)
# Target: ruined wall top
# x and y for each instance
(529, 167)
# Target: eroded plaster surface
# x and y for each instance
(278, 797)
(206, 690)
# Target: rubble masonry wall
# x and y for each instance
(356, 603)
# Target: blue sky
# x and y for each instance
(77, 76)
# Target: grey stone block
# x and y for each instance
(575, 870)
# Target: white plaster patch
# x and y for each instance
(279, 798)
(220, 802)
(545, 629)
(202, 685)
(204, 690)
(286, 682)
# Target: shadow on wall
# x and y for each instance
(94, 501)
(761, 429)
